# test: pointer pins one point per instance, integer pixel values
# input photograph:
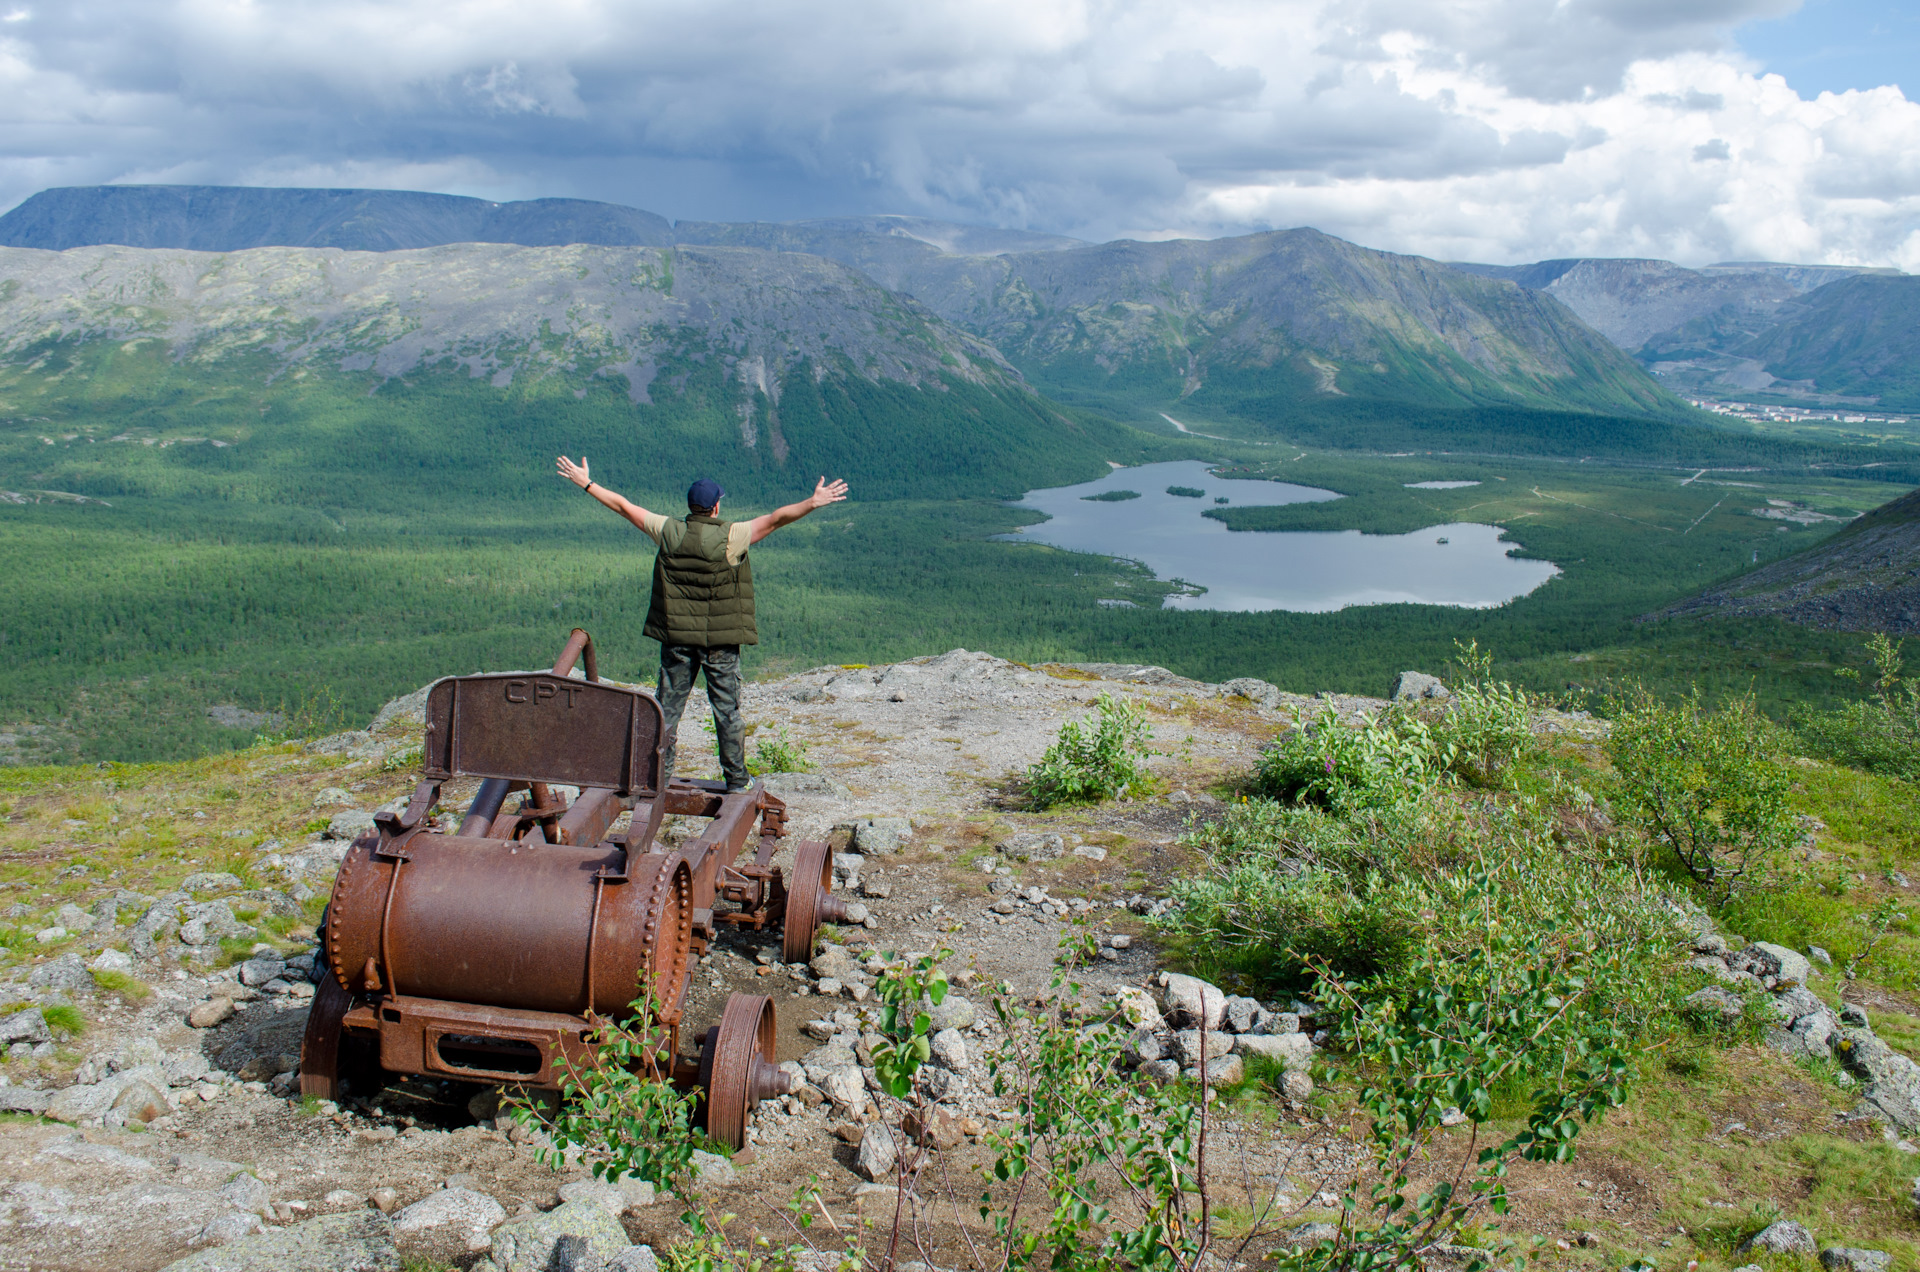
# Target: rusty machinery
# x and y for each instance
(489, 954)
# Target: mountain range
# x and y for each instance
(1263, 327)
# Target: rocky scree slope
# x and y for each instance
(1866, 578)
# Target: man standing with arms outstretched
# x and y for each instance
(702, 607)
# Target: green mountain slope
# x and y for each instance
(1859, 336)
(760, 367)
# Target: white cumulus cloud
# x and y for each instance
(1495, 130)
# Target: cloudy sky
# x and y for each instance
(1494, 130)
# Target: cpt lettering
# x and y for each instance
(542, 690)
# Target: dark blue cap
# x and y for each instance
(704, 493)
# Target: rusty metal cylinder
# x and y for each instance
(542, 927)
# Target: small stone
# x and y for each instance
(877, 1154)
(111, 960)
(1819, 958)
(1120, 941)
(637, 1258)
(1296, 1086)
(343, 1197)
(712, 1168)
(1849, 1259)
(1092, 852)
(1294, 1051)
(1715, 1002)
(940, 1129)
(1161, 1071)
(385, 1200)
(1451, 1116)
(949, 1049)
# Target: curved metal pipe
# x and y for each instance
(578, 644)
(485, 806)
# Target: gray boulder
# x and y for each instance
(68, 974)
(1192, 1047)
(1033, 846)
(876, 835)
(1849, 1259)
(1188, 1000)
(470, 1215)
(1293, 1051)
(1242, 1013)
(1783, 1237)
(14, 1099)
(1892, 1080)
(712, 1168)
(350, 824)
(1791, 965)
(28, 1025)
(408, 709)
(212, 881)
(952, 1012)
(359, 1241)
(1715, 1003)
(575, 1236)
(1253, 690)
(1414, 685)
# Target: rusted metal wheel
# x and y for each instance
(736, 1067)
(809, 899)
(320, 1048)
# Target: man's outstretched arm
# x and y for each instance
(578, 475)
(824, 493)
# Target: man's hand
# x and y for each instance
(825, 492)
(577, 473)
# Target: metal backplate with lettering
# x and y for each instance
(579, 732)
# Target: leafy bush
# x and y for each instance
(1703, 786)
(781, 753)
(1486, 732)
(1457, 1032)
(1382, 760)
(1883, 734)
(1093, 760)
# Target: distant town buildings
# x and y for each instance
(1791, 414)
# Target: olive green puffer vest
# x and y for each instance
(698, 599)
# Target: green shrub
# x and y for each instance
(1092, 760)
(1382, 760)
(781, 753)
(1882, 735)
(1703, 786)
(1486, 732)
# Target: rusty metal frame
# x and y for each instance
(529, 732)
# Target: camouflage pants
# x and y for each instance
(721, 667)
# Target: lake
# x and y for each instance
(1463, 564)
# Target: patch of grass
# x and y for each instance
(130, 988)
(65, 1016)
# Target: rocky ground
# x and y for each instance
(166, 1132)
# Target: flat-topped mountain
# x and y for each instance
(231, 218)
